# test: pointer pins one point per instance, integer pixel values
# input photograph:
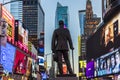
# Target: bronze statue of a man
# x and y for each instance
(60, 39)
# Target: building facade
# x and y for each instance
(16, 10)
(92, 20)
(88, 24)
(91, 23)
(105, 49)
(33, 18)
(81, 14)
(61, 14)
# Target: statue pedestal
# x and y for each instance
(66, 77)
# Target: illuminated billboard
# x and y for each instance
(82, 67)
(21, 34)
(20, 62)
(10, 21)
(7, 57)
(41, 50)
(41, 60)
(44, 75)
(106, 39)
(90, 69)
(29, 66)
(108, 64)
(104, 48)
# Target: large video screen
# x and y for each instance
(106, 39)
(41, 60)
(90, 69)
(44, 75)
(7, 57)
(108, 64)
(20, 62)
(41, 50)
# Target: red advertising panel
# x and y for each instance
(20, 63)
(10, 21)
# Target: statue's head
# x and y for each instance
(61, 23)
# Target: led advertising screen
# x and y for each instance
(29, 66)
(7, 57)
(41, 50)
(41, 60)
(90, 69)
(22, 34)
(108, 64)
(10, 20)
(44, 75)
(20, 63)
(106, 39)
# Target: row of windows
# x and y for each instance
(33, 36)
(33, 39)
(30, 2)
(30, 22)
(29, 7)
(30, 13)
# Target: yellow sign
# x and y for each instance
(9, 30)
(82, 64)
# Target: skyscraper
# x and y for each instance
(16, 10)
(61, 14)
(33, 18)
(92, 20)
(82, 21)
(90, 24)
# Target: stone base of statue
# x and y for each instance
(66, 77)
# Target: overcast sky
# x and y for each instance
(49, 7)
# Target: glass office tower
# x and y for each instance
(61, 14)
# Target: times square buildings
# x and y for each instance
(15, 38)
(103, 47)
